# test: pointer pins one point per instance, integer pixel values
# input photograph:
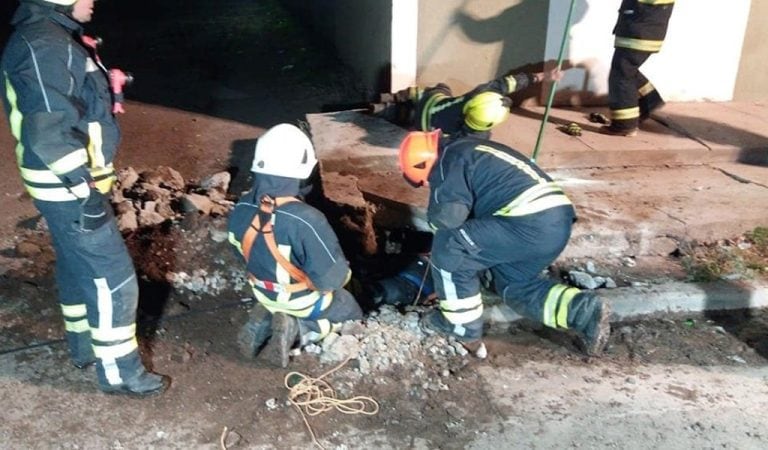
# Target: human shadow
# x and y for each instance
(520, 28)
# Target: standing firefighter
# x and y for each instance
(475, 112)
(294, 262)
(59, 106)
(640, 32)
(492, 208)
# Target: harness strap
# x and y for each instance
(268, 206)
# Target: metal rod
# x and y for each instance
(554, 82)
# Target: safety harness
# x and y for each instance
(267, 206)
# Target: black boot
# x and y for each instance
(590, 316)
(144, 385)
(255, 332)
(285, 333)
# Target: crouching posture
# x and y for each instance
(494, 209)
(294, 262)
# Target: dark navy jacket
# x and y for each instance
(437, 107)
(478, 178)
(299, 228)
(59, 104)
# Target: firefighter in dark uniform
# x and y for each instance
(640, 32)
(494, 209)
(59, 106)
(475, 112)
(294, 262)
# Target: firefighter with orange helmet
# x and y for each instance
(492, 208)
(640, 32)
(294, 262)
(476, 112)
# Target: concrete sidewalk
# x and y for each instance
(705, 178)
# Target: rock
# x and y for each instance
(26, 249)
(196, 202)
(127, 221)
(218, 181)
(590, 267)
(127, 177)
(148, 218)
(610, 284)
(271, 404)
(582, 279)
(352, 328)
(342, 348)
(164, 176)
(232, 439)
(218, 235)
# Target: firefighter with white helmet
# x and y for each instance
(294, 262)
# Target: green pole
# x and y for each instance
(554, 82)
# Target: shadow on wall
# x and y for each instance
(520, 34)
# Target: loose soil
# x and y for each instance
(211, 76)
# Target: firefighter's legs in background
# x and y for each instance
(272, 336)
(624, 89)
(523, 288)
(99, 280)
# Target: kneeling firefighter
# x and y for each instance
(295, 265)
(494, 209)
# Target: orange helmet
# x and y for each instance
(418, 153)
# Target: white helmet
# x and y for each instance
(62, 2)
(286, 151)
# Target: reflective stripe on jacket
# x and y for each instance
(303, 237)
(59, 106)
(642, 24)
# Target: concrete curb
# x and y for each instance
(673, 297)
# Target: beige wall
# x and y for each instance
(464, 43)
(752, 82)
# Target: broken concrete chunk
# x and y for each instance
(196, 202)
(127, 177)
(149, 218)
(164, 176)
(218, 181)
(127, 221)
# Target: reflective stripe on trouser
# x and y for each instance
(624, 84)
(95, 269)
(343, 308)
(458, 256)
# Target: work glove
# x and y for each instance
(95, 211)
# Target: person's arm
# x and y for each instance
(323, 260)
(451, 197)
(517, 82)
(50, 113)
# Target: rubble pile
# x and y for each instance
(157, 195)
(388, 341)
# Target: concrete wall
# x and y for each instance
(699, 59)
(464, 43)
(752, 82)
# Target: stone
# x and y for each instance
(127, 221)
(196, 203)
(582, 279)
(127, 177)
(164, 176)
(218, 181)
(342, 348)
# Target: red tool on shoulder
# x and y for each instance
(117, 78)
